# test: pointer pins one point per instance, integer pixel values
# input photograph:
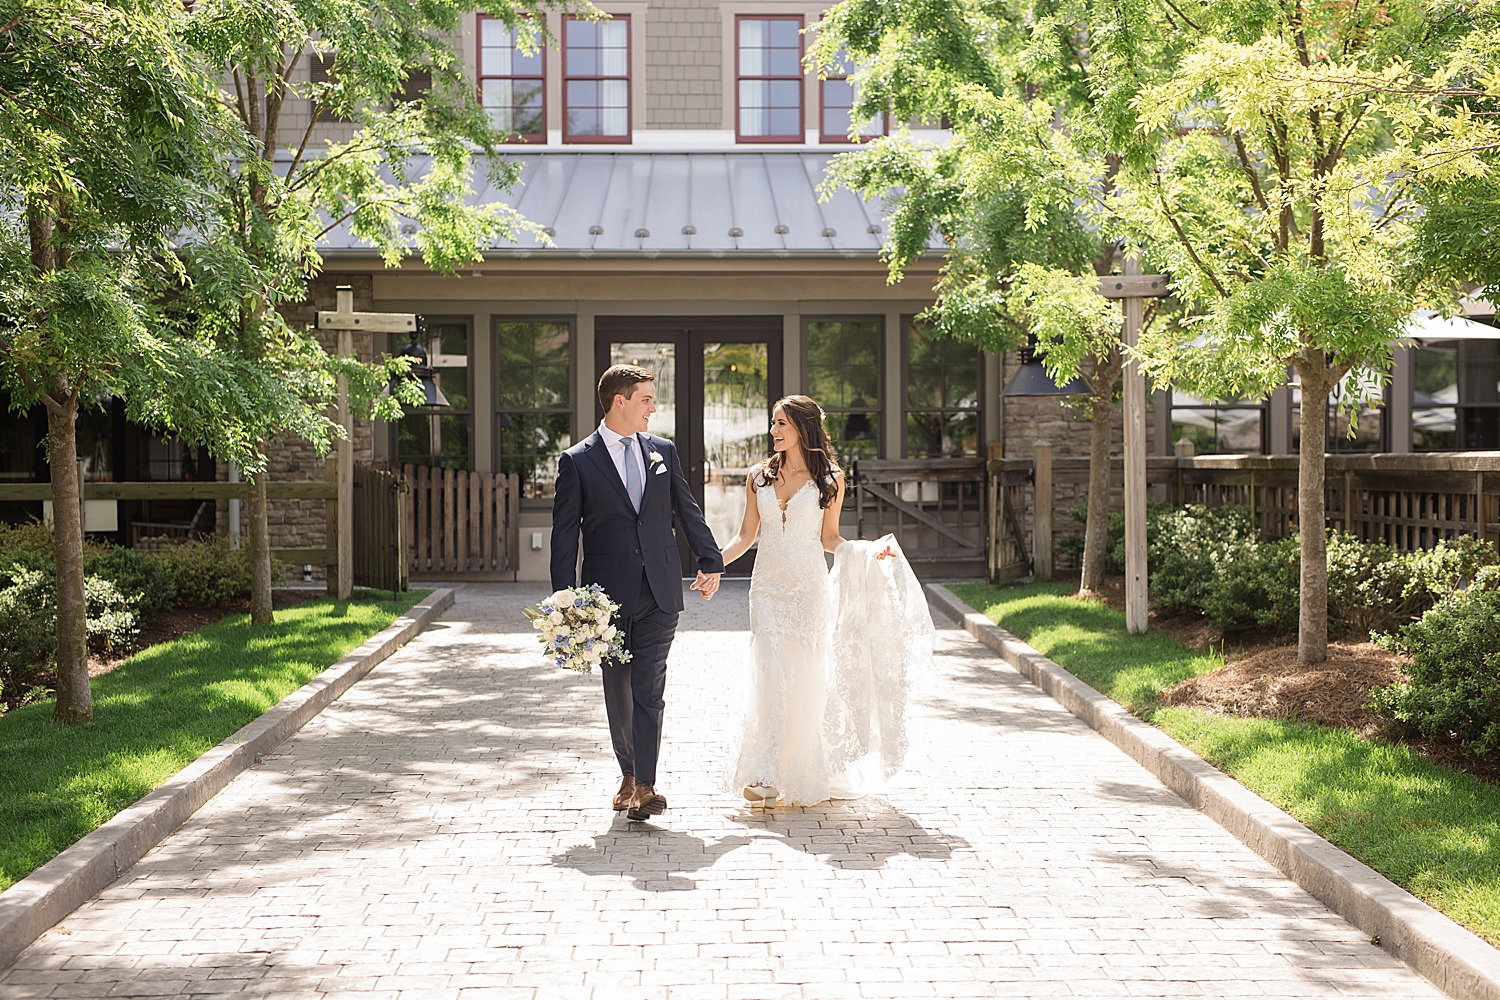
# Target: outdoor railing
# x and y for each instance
(1408, 501)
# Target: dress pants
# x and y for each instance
(634, 692)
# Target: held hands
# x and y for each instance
(707, 584)
(887, 552)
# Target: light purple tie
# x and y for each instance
(635, 483)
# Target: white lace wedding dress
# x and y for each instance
(825, 704)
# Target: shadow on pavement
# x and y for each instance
(654, 857)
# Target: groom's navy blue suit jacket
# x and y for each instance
(619, 543)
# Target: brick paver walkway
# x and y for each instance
(443, 831)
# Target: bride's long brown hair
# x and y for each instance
(812, 438)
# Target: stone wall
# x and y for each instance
(682, 76)
(301, 524)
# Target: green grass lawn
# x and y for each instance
(157, 712)
(1090, 640)
(1431, 829)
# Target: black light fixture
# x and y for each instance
(420, 370)
(1031, 379)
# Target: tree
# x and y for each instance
(106, 137)
(410, 158)
(1024, 196)
(1280, 186)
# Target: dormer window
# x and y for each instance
(511, 82)
(596, 80)
(769, 79)
(837, 106)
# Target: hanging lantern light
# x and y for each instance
(1031, 379)
(420, 370)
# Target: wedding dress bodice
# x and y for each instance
(789, 590)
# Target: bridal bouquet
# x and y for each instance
(573, 626)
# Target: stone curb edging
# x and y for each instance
(38, 901)
(1455, 960)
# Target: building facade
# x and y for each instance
(672, 158)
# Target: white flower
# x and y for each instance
(608, 633)
(555, 617)
(560, 598)
(655, 457)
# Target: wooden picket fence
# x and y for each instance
(462, 525)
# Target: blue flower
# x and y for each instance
(578, 603)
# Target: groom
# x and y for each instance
(621, 488)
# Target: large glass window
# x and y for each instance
(440, 435)
(596, 80)
(837, 104)
(770, 79)
(661, 360)
(511, 83)
(533, 408)
(843, 375)
(1217, 426)
(942, 395)
(1358, 430)
(1456, 396)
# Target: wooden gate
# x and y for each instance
(379, 548)
(1010, 482)
(462, 525)
(934, 507)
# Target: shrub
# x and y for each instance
(28, 632)
(205, 574)
(1186, 546)
(26, 542)
(112, 625)
(28, 621)
(145, 580)
(1256, 585)
(1454, 691)
(1373, 586)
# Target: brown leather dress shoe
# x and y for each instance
(646, 803)
(625, 794)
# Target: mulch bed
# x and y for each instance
(1261, 678)
(164, 626)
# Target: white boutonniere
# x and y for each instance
(657, 468)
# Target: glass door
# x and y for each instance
(716, 379)
(735, 382)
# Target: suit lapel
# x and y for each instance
(596, 449)
(648, 445)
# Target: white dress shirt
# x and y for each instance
(617, 452)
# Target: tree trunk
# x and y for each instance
(1312, 620)
(75, 701)
(1096, 528)
(260, 553)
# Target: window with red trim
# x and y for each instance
(596, 80)
(837, 106)
(512, 84)
(768, 65)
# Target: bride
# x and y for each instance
(830, 653)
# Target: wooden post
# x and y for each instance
(1041, 517)
(1135, 465)
(344, 320)
(345, 457)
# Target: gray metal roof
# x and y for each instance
(680, 203)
